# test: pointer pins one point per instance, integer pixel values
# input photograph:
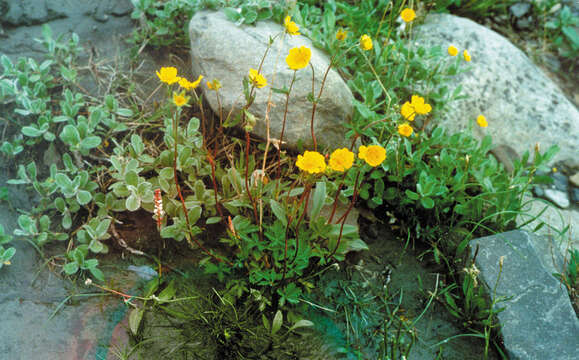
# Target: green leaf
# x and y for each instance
(277, 322)
(232, 14)
(301, 323)
(412, 195)
(427, 202)
(70, 135)
(90, 142)
(133, 203)
(318, 199)
(96, 246)
(125, 112)
(213, 220)
(97, 274)
(31, 131)
(135, 318)
(83, 197)
(278, 211)
(70, 268)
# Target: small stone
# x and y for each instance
(575, 196)
(575, 179)
(538, 191)
(122, 8)
(558, 198)
(524, 24)
(519, 10)
(560, 181)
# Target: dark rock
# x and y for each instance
(538, 319)
(29, 12)
(538, 191)
(575, 196)
(121, 8)
(520, 9)
(560, 181)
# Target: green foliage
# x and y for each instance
(474, 8)
(562, 32)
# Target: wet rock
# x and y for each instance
(222, 50)
(520, 9)
(538, 316)
(521, 104)
(29, 12)
(557, 197)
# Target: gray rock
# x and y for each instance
(557, 197)
(575, 179)
(521, 104)
(538, 320)
(222, 50)
(560, 181)
(520, 9)
(575, 196)
(29, 12)
(524, 23)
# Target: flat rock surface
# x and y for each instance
(521, 104)
(538, 321)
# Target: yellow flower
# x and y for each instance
(180, 99)
(554, 169)
(466, 55)
(311, 162)
(481, 120)
(405, 130)
(452, 50)
(365, 42)
(291, 27)
(298, 58)
(408, 111)
(419, 106)
(215, 85)
(341, 34)
(341, 159)
(257, 79)
(408, 15)
(373, 154)
(188, 85)
(168, 75)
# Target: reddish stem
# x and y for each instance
(345, 216)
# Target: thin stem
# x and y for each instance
(247, 188)
(283, 122)
(345, 216)
(175, 140)
(307, 197)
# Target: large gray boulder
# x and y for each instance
(538, 321)
(222, 50)
(522, 105)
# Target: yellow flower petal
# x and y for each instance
(180, 99)
(365, 42)
(257, 79)
(298, 58)
(311, 162)
(168, 75)
(374, 155)
(341, 34)
(341, 159)
(452, 50)
(408, 15)
(481, 120)
(466, 55)
(405, 130)
(291, 27)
